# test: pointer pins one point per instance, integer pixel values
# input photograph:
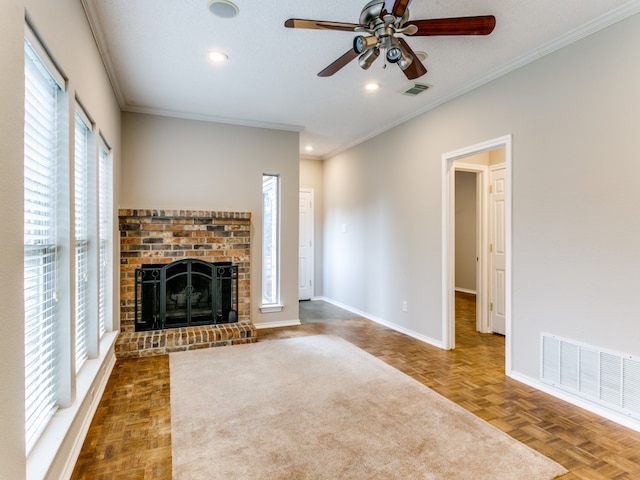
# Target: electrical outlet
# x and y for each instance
(404, 306)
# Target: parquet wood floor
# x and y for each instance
(130, 436)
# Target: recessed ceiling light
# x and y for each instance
(218, 57)
(308, 148)
(223, 8)
(372, 86)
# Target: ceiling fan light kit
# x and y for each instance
(383, 20)
(367, 58)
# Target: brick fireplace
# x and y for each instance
(159, 237)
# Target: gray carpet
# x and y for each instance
(318, 407)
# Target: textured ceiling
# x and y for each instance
(156, 54)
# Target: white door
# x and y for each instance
(497, 251)
(305, 241)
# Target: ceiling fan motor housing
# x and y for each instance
(371, 12)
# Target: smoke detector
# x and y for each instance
(223, 8)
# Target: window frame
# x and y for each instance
(271, 236)
(105, 235)
(42, 397)
(85, 266)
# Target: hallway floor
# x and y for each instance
(312, 311)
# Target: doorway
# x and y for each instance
(466, 159)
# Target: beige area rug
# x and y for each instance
(318, 407)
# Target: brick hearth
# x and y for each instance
(163, 236)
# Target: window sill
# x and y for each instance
(271, 308)
(49, 453)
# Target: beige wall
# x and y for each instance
(497, 156)
(63, 27)
(575, 262)
(173, 163)
(311, 172)
(465, 228)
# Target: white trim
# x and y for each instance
(312, 257)
(101, 44)
(482, 240)
(45, 57)
(52, 454)
(271, 308)
(466, 290)
(283, 323)
(448, 232)
(578, 402)
(385, 323)
(82, 113)
(568, 38)
(86, 421)
(214, 118)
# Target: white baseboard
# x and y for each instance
(538, 385)
(391, 325)
(283, 323)
(86, 421)
(466, 290)
(578, 402)
(55, 453)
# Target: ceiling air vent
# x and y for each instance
(416, 89)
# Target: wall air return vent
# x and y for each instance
(604, 377)
(416, 89)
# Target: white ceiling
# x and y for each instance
(156, 54)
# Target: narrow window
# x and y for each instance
(41, 164)
(82, 156)
(270, 239)
(105, 195)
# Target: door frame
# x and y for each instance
(448, 239)
(311, 262)
(492, 241)
(482, 240)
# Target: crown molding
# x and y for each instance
(98, 36)
(212, 118)
(589, 28)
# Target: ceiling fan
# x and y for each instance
(380, 22)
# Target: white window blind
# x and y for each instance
(104, 212)
(270, 239)
(40, 243)
(81, 209)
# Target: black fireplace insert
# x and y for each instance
(185, 293)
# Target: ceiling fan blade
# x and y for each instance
(416, 69)
(338, 64)
(482, 25)
(320, 25)
(395, 7)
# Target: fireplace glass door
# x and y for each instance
(184, 293)
(188, 287)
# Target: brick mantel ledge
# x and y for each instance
(163, 342)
